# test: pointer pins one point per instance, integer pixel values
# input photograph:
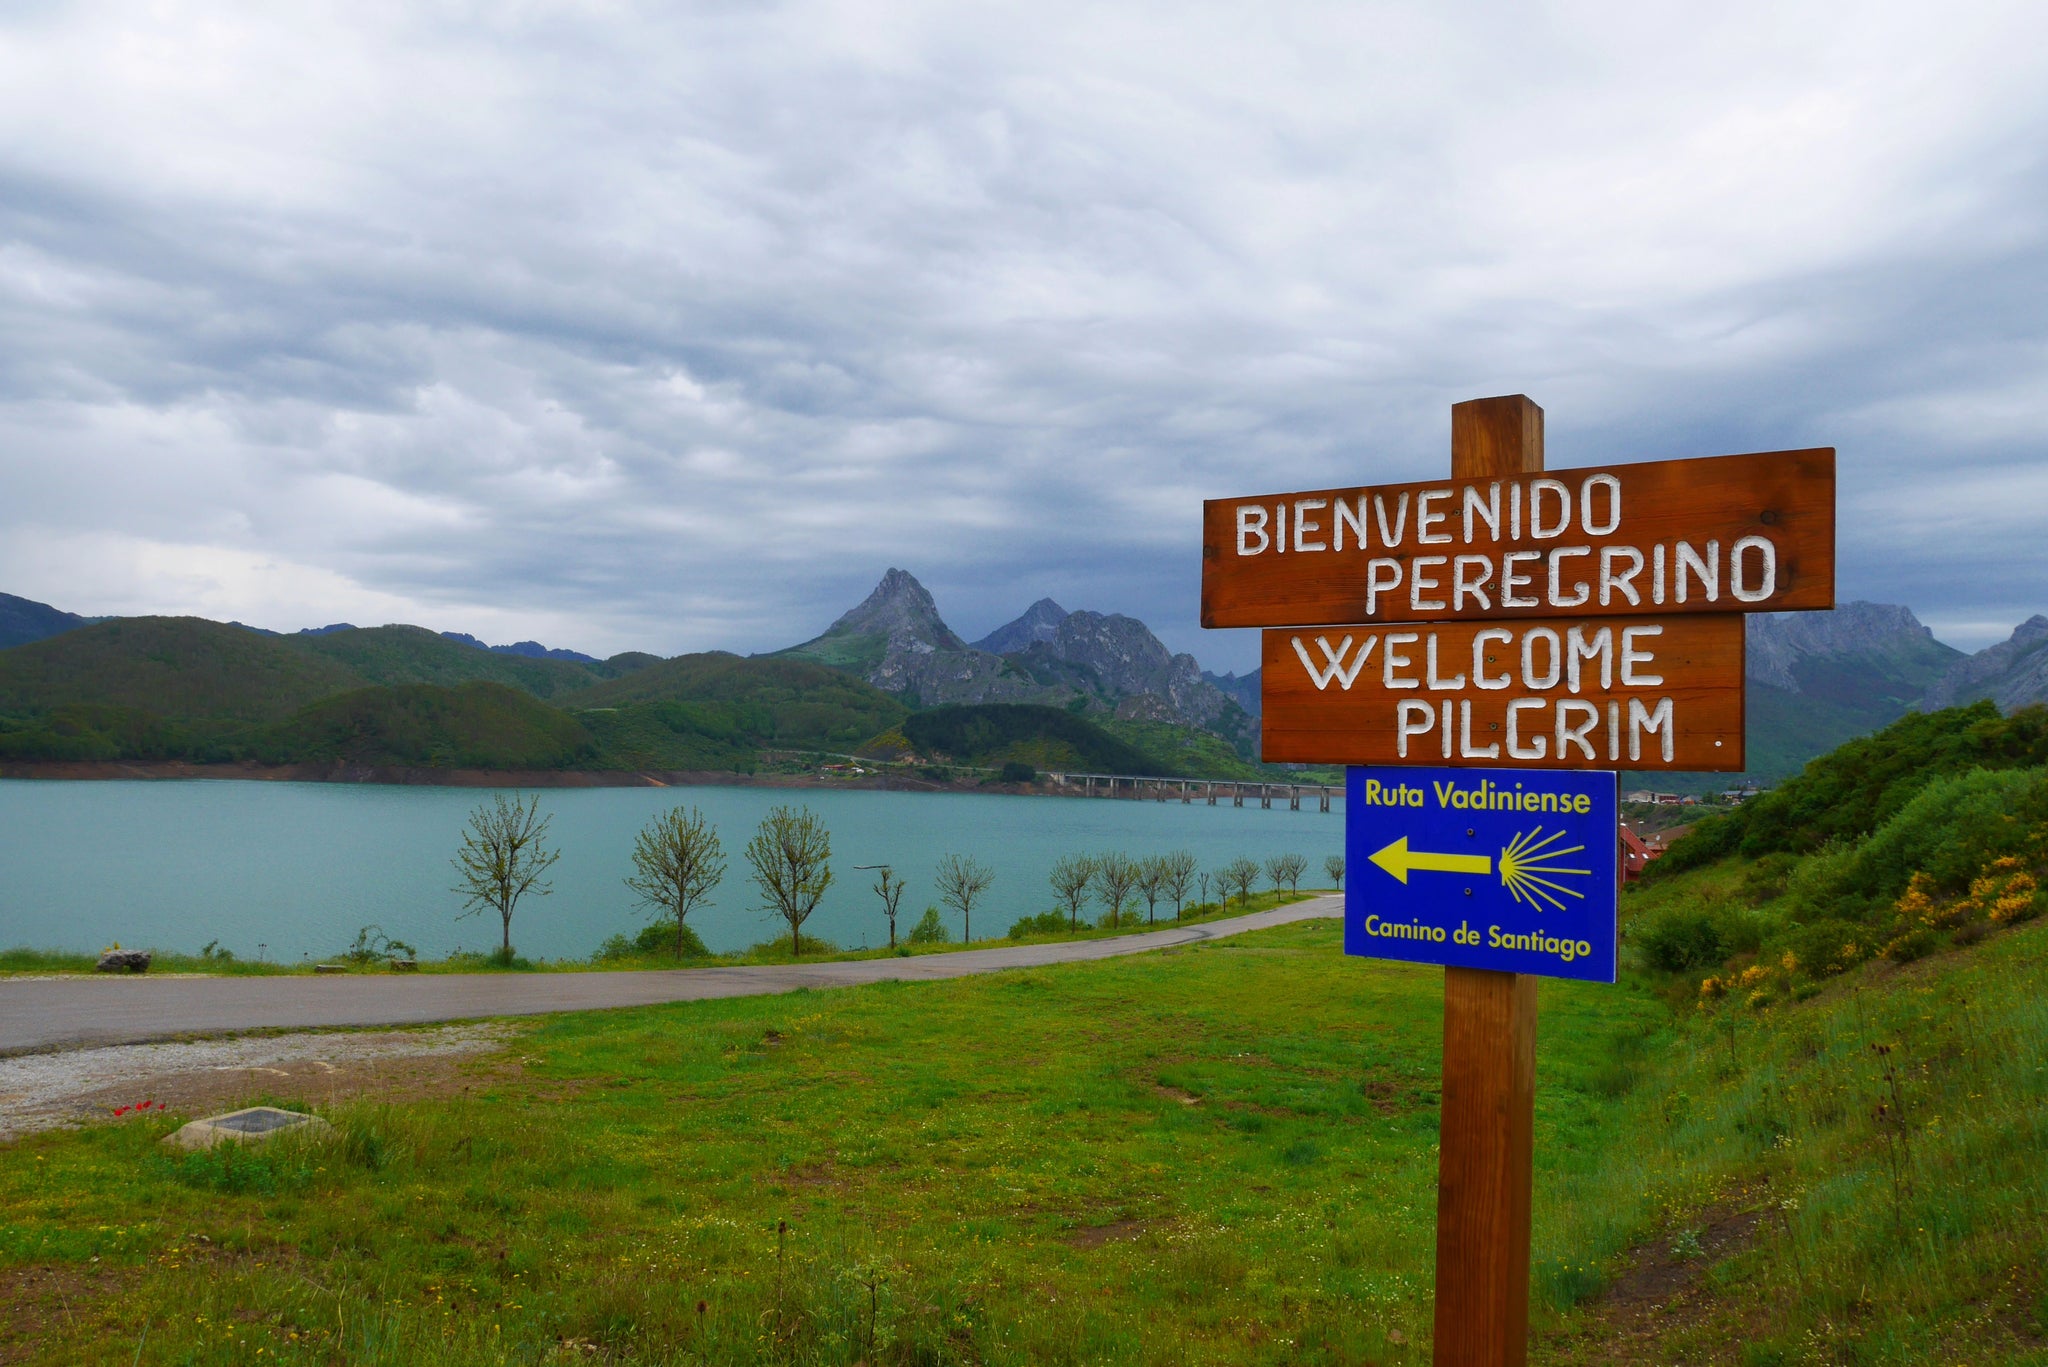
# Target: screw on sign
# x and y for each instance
(1526, 634)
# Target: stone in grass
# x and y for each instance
(125, 961)
(251, 1125)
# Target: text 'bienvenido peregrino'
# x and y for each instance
(1574, 573)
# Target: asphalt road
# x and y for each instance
(76, 1012)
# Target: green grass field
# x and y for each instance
(1217, 1154)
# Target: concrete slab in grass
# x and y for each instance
(251, 1125)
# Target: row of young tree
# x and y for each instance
(678, 860)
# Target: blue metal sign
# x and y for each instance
(1510, 869)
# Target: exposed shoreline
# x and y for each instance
(491, 778)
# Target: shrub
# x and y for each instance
(929, 930)
(1681, 939)
(657, 941)
(1016, 771)
(1052, 922)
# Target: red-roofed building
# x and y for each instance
(1636, 855)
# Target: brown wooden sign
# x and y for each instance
(1564, 693)
(1723, 534)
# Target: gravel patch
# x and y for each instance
(49, 1091)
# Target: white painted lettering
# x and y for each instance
(1537, 489)
(1610, 582)
(1510, 581)
(1417, 581)
(1425, 518)
(1706, 569)
(1251, 522)
(1391, 660)
(1436, 684)
(1553, 670)
(1480, 677)
(1462, 586)
(1613, 488)
(1655, 722)
(1466, 749)
(1567, 734)
(1536, 748)
(1375, 585)
(1485, 510)
(1412, 717)
(1767, 573)
(1302, 526)
(1631, 657)
(1579, 649)
(1557, 559)
(1390, 537)
(1354, 517)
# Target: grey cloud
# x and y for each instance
(671, 330)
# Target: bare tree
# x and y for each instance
(889, 888)
(1152, 884)
(1070, 878)
(502, 859)
(677, 861)
(961, 880)
(1179, 878)
(790, 855)
(1115, 876)
(1240, 873)
(1333, 865)
(1288, 869)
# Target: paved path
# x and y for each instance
(74, 1012)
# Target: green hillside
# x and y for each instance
(182, 668)
(414, 655)
(994, 734)
(473, 726)
(773, 702)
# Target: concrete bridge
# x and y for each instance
(1138, 788)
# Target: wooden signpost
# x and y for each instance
(1509, 619)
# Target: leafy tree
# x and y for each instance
(1333, 866)
(791, 855)
(1115, 876)
(1239, 873)
(889, 888)
(961, 880)
(1177, 878)
(929, 930)
(502, 858)
(1288, 869)
(677, 861)
(1071, 878)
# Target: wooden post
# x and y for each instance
(1489, 1084)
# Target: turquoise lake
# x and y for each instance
(291, 870)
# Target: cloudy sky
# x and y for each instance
(672, 327)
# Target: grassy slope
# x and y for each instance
(1223, 1154)
(1219, 1154)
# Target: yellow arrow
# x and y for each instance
(1399, 860)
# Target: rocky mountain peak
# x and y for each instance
(2012, 673)
(902, 611)
(1779, 642)
(1040, 622)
